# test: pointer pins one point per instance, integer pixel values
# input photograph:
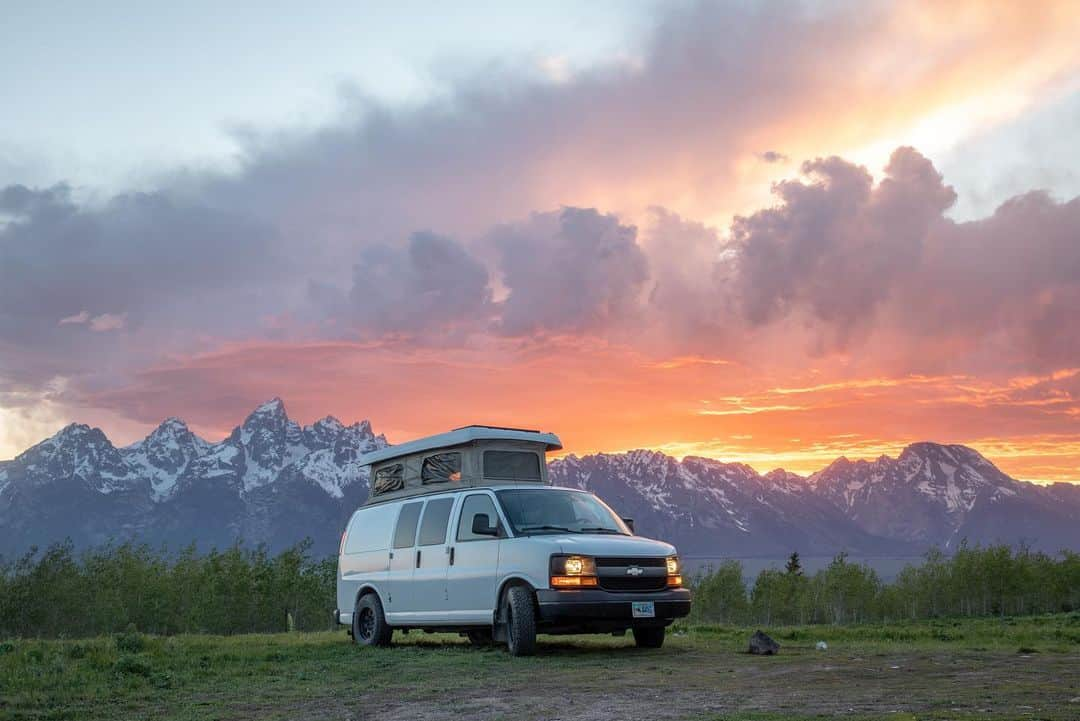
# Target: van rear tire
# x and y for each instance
(649, 637)
(519, 613)
(369, 626)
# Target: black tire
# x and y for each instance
(369, 626)
(649, 637)
(519, 614)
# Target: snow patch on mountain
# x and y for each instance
(163, 455)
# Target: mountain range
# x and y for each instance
(276, 482)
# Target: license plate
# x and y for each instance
(643, 609)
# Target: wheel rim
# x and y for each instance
(365, 625)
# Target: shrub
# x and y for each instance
(130, 642)
(130, 664)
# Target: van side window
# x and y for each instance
(478, 504)
(370, 530)
(405, 533)
(511, 465)
(436, 519)
(441, 468)
(388, 478)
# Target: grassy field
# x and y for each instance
(997, 668)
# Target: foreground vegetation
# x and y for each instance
(973, 582)
(113, 588)
(58, 593)
(1006, 668)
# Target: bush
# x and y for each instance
(130, 642)
(132, 665)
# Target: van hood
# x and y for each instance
(602, 545)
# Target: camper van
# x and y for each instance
(464, 533)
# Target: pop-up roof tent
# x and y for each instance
(468, 456)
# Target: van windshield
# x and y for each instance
(535, 511)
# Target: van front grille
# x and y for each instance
(631, 574)
(624, 561)
(628, 583)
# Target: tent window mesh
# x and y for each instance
(511, 465)
(389, 478)
(441, 468)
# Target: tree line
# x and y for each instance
(120, 587)
(974, 581)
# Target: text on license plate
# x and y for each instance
(643, 609)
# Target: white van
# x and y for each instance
(463, 533)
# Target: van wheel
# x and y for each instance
(369, 625)
(648, 637)
(520, 615)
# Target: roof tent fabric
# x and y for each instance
(424, 466)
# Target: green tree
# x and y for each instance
(720, 594)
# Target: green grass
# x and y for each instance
(998, 668)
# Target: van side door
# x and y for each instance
(474, 560)
(399, 597)
(432, 558)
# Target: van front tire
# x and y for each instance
(519, 612)
(369, 626)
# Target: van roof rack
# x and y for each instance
(459, 437)
(497, 428)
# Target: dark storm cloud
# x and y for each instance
(848, 257)
(70, 274)
(430, 283)
(835, 245)
(571, 271)
(1007, 285)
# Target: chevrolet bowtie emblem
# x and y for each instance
(635, 571)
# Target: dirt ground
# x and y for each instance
(977, 670)
(570, 682)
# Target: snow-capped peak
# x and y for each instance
(274, 406)
(76, 452)
(163, 455)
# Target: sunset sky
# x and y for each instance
(774, 233)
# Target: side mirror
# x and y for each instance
(481, 526)
(629, 523)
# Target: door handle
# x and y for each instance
(451, 555)
(418, 558)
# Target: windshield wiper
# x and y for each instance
(549, 528)
(598, 529)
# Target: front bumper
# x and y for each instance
(597, 604)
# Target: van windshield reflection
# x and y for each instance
(532, 512)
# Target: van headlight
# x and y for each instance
(573, 571)
(674, 575)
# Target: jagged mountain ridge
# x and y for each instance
(270, 481)
(935, 494)
(274, 481)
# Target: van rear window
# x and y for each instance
(370, 530)
(511, 465)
